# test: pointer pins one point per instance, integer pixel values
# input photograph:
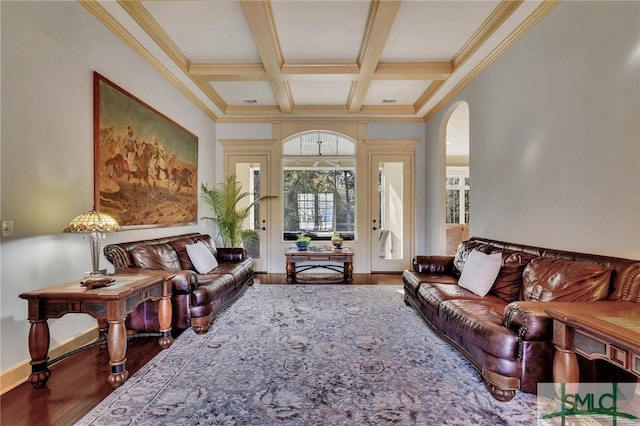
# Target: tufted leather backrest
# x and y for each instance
(121, 256)
(625, 273)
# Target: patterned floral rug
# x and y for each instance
(311, 355)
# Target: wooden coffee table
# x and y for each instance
(109, 305)
(325, 258)
(602, 330)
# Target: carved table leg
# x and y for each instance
(348, 272)
(117, 345)
(39, 349)
(164, 318)
(565, 370)
(291, 272)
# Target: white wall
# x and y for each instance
(49, 52)
(555, 134)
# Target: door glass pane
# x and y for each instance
(453, 206)
(390, 210)
(249, 175)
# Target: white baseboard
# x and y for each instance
(18, 374)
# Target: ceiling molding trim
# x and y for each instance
(252, 110)
(259, 16)
(413, 71)
(363, 120)
(228, 72)
(480, 37)
(381, 18)
(532, 20)
(114, 26)
(384, 109)
(486, 30)
(137, 11)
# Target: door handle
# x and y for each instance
(264, 228)
(374, 228)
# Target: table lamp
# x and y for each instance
(96, 224)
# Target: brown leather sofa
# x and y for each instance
(506, 334)
(197, 298)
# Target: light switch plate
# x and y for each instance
(7, 228)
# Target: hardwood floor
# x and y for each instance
(79, 382)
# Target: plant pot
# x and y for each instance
(302, 245)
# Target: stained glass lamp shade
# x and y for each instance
(95, 224)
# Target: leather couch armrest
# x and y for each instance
(433, 264)
(184, 281)
(529, 320)
(226, 254)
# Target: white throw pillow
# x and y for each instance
(203, 260)
(480, 272)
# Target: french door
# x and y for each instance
(392, 207)
(251, 171)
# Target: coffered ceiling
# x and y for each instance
(265, 60)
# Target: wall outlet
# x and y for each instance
(7, 228)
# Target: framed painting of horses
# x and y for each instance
(145, 164)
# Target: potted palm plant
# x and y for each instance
(231, 206)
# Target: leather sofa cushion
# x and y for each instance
(180, 246)
(434, 294)
(413, 280)
(155, 256)
(464, 250)
(479, 322)
(508, 284)
(547, 279)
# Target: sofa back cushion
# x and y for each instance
(547, 279)
(508, 284)
(155, 256)
(464, 249)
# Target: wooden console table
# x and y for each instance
(109, 305)
(602, 330)
(296, 256)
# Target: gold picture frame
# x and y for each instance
(145, 164)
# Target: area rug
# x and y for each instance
(311, 355)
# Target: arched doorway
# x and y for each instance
(457, 179)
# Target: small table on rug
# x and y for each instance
(109, 305)
(295, 256)
(602, 330)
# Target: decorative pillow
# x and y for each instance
(203, 260)
(480, 272)
(547, 279)
(155, 256)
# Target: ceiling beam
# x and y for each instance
(381, 17)
(413, 71)
(259, 17)
(229, 72)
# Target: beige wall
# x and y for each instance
(555, 135)
(49, 52)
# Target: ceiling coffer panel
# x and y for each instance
(272, 59)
